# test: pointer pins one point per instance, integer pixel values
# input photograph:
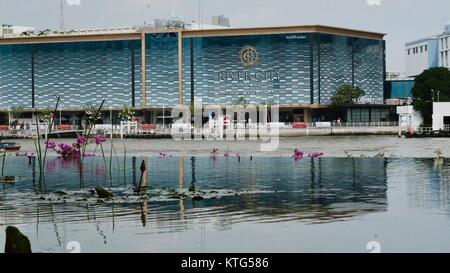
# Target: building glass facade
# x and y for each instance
(303, 68)
(80, 73)
(282, 74)
(292, 69)
(162, 69)
(399, 89)
(15, 76)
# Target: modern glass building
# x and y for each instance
(396, 89)
(300, 68)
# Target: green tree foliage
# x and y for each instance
(240, 101)
(437, 79)
(127, 113)
(347, 94)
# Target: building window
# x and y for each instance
(365, 115)
(356, 115)
(384, 115)
(409, 51)
(375, 115)
(446, 58)
(426, 48)
(421, 49)
(446, 42)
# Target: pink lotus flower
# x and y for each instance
(50, 145)
(68, 151)
(298, 154)
(81, 140)
(99, 139)
(314, 155)
(65, 147)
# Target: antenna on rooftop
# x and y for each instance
(62, 16)
(200, 14)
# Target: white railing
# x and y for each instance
(365, 124)
(128, 127)
(87, 31)
(31, 129)
(422, 130)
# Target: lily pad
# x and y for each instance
(9, 179)
(102, 193)
(197, 198)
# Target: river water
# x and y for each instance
(263, 204)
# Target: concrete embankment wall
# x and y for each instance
(339, 131)
(343, 131)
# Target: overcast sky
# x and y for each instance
(402, 20)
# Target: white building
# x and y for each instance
(443, 48)
(427, 53)
(6, 30)
(408, 117)
(441, 116)
(221, 21)
(421, 55)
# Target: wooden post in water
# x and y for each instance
(144, 171)
(143, 182)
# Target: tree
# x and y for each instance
(240, 101)
(127, 114)
(347, 94)
(45, 115)
(426, 88)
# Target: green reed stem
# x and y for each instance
(88, 130)
(124, 164)
(103, 155)
(117, 158)
(110, 160)
(3, 162)
(49, 131)
(38, 146)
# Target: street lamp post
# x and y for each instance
(9, 117)
(164, 118)
(111, 120)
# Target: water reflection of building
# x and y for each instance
(274, 189)
(430, 186)
(265, 189)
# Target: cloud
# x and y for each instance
(73, 2)
(374, 2)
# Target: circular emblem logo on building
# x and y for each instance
(249, 56)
